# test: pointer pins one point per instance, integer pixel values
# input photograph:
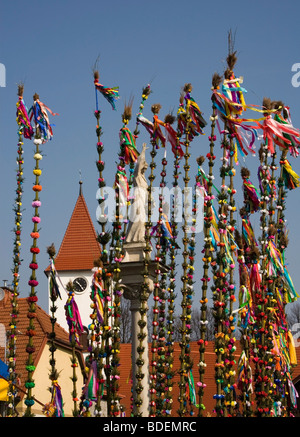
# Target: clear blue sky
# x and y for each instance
(52, 47)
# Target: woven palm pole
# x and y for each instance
(128, 154)
(185, 329)
(156, 290)
(245, 322)
(234, 89)
(220, 284)
(281, 243)
(159, 298)
(173, 250)
(191, 124)
(74, 331)
(191, 272)
(207, 211)
(110, 94)
(55, 407)
(272, 309)
(165, 244)
(24, 131)
(32, 299)
(43, 132)
(95, 358)
(261, 377)
(101, 332)
(286, 179)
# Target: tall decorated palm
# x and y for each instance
(207, 257)
(25, 130)
(104, 237)
(192, 124)
(43, 133)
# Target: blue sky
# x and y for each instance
(52, 48)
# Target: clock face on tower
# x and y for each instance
(79, 284)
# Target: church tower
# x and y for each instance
(75, 261)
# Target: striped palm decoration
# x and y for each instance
(161, 233)
(173, 250)
(264, 345)
(283, 290)
(208, 216)
(192, 124)
(128, 154)
(103, 351)
(246, 320)
(24, 131)
(43, 133)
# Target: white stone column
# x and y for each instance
(135, 317)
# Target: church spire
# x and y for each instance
(80, 184)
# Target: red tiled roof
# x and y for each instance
(79, 247)
(209, 376)
(43, 328)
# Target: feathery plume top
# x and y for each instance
(243, 212)
(278, 105)
(188, 88)
(51, 250)
(200, 160)
(231, 57)
(216, 80)
(20, 90)
(170, 118)
(126, 116)
(245, 173)
(156, 108)
(267, 104)
(146, 91)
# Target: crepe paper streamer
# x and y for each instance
(55, 407)
(252, 201)
(192, 391)
(121, 184)
(275, 259)
(73, 318)
(38, 112)
(244, 134)
(127, 143)
(171, 137)
(153, 129)
(23, 119)
(291, 179)
(164, 231)
(110, 94)
(244, 373)
(274, 133)
(90, 388)
(97, 294)
(294, 142)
